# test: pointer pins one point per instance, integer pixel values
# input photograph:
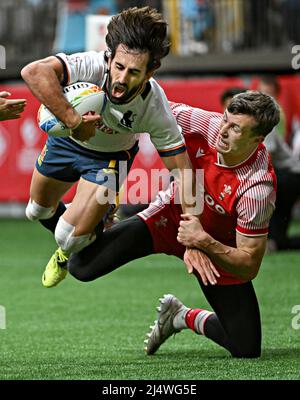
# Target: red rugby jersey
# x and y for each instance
(239, 198)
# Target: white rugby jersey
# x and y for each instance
(148, 112)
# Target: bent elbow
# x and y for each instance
(250, 273)
(28, 70)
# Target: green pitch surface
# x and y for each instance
(96, 330)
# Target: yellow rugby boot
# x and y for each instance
(56, 269)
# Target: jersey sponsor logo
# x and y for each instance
(104, 128)
(213, 204)
(200, 153)
(128, 119)
(78, 85)
(226, 191)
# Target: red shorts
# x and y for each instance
(162, 218)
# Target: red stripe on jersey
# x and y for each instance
(246, 232)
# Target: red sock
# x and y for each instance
(191, 316)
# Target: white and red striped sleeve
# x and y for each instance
(256, 196)
(197, 121)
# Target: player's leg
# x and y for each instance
(234, 324)
(75, 229)
(126, 241)
(44, 204)
(97, 190)
(53, 175)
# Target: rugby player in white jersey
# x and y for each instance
(135, 103)
(230, 236)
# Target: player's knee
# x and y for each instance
(247, 352)
(64, 236)
(36, 212)
(77, 269)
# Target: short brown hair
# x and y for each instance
(261, 106)
(142, 29)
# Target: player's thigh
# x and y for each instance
(47, 191)
(88, 207)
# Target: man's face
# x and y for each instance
(127, 74)
(236, 139)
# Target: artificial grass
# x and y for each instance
(95, 331)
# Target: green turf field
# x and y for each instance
(96, 330)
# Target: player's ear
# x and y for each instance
(149, 74)
(260, 139)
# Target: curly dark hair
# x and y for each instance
(229, 93)
(261, 106)
(141, 29)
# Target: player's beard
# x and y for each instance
(127, 94)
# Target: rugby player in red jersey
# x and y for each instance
(225, 245)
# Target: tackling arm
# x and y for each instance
(181, 167)
(243, 261)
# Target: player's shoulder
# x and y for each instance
(153, 101)
(181, 108)
(197, 120)
(85, 56)
(257, 170)
(153, 91)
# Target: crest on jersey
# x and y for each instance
(128, 119)
(227, 190)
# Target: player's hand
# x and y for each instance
(190, 231)
(87, 127)
(197, 260)
(10, 109)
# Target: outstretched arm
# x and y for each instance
(10, 108)
(184, 174)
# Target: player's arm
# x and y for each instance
(10, 108)
(243, 261)
(44, 78)
(181, 167)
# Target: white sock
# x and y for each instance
(200, 321)
(179, 319)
